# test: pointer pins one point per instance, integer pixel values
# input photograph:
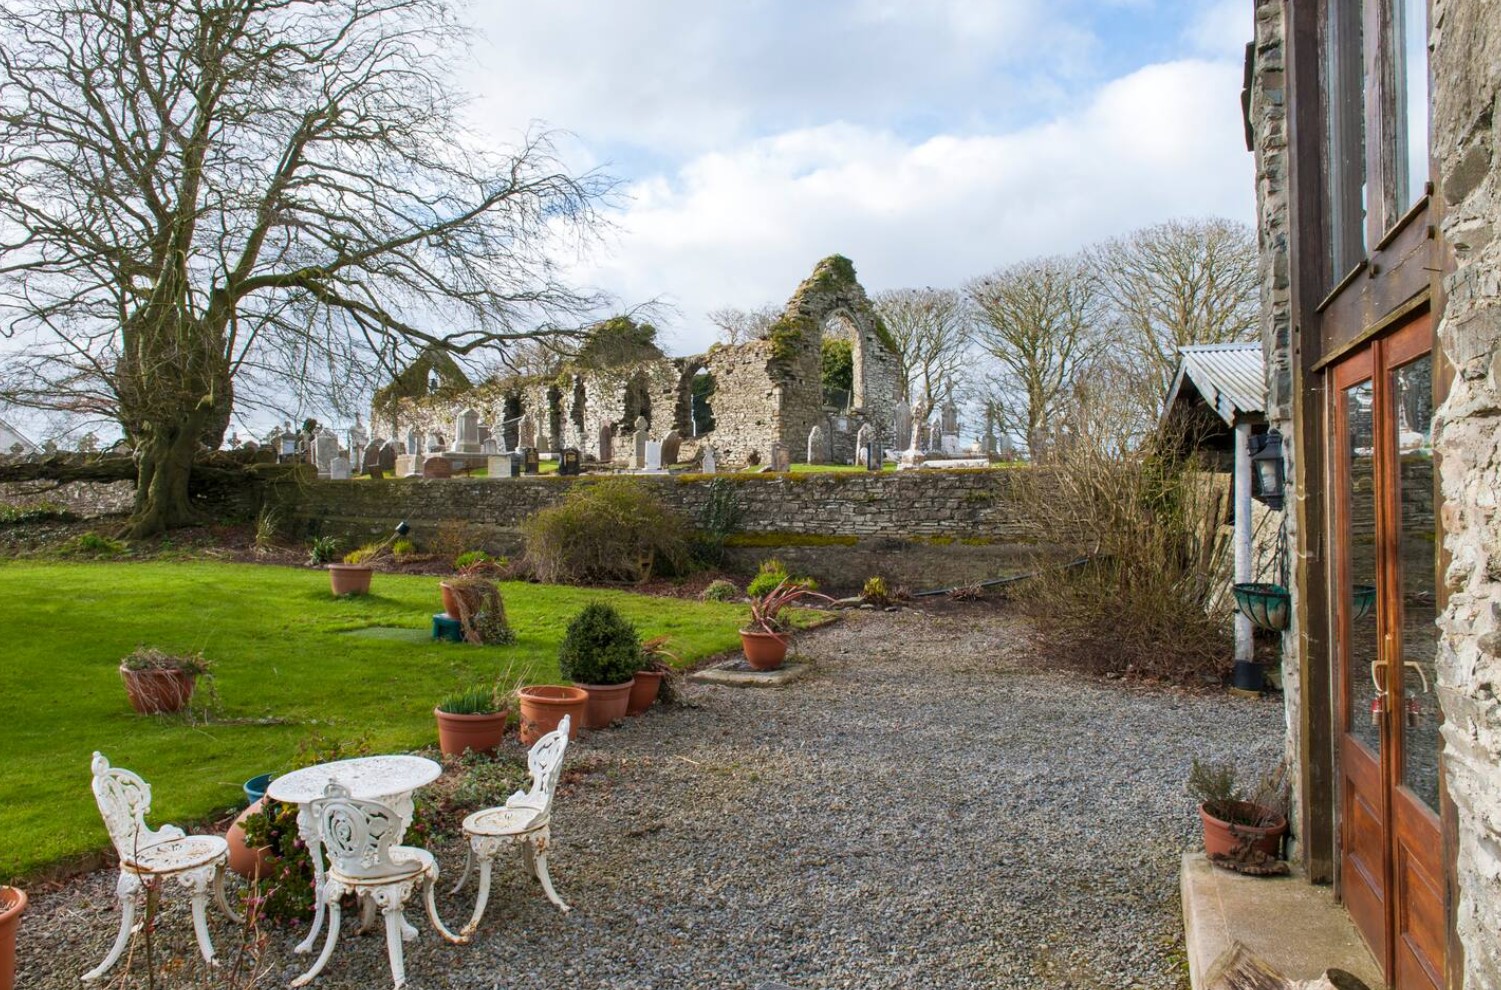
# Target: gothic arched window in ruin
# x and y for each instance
(843, 363)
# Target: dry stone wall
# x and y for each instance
(1466, 73)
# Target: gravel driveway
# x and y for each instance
(928, 809)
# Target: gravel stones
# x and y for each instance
(928, 808)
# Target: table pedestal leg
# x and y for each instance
(308, 829)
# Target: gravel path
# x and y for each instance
(927, 809)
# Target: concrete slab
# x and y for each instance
(738, 673)
(1290, 924)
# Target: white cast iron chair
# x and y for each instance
(147, 858)
(524, 821)
(359, 839)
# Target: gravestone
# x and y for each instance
(488, 446)
(358, 435)
(903, 426)
(370, 459)
(607, 443)
(502, 466)
(530, 462)
(437, 467)
(414, 442)
(434, 443)
(638, 461)
(817, 448)
(671, 446)
(466, 431)
(987, 444)
(653, 458)
(409, 465)
(950, 419)
(570, 464)
(526, 433)
(387, 459)
(781, 458)
(325, 449)
(338, 468)
(711, 463)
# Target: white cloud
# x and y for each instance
(743, 226)
(1221, 29)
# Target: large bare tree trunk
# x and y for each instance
(164, 467)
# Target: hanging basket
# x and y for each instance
(1266, 605)
(1362, 600)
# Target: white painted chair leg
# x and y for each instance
(394, 937)
(429, 888)
(468, 864)
(328, 947)
(200, 923)
(486, 863)
(539, 861)
(125, 891)
(222, 900)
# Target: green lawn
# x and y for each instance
(284, 670)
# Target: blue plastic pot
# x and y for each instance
(255, 787)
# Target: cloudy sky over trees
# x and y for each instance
(929, 140)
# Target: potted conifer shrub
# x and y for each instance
(601, 654)
(157, 682)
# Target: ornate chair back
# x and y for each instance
(358, 835)
(124, 801)
(545, 762)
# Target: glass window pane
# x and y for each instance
(1360, 548)
(1412, 399)
(1345, 67)
(1410, 39)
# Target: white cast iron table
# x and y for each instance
(387, 779)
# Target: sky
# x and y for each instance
(930, 141)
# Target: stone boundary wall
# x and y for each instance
(960, 505)
(85, 499)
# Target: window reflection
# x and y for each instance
(1410, 57)
(1360, 439)
(1412, 395)
(1345, 66)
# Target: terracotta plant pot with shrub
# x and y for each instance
(249, 862)
(1242, 831)
(647, 684)
(772, 592)
(601, 654)
(158, 683)
(474, 720)
(543, 707)
(12, 906)
(349, 579)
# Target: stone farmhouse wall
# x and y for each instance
(1466, 73)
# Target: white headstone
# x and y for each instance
(502, 466)
(325, 449)
(358, 435)
(653, 456)
(338, 468)
(466, 431)
(711, 464)
(817, 449)
(414, 441)
(489, 447)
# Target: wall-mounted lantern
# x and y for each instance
(1267, 480)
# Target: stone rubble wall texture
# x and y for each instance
(957, 505)
(1269, 125)
(1466, 72)
(766, 391)
(85, 499)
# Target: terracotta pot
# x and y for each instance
(607, 704)
(543, 706)
(1222, 838)
(481, 733)
(247, 862)
(644, 690)
(450, 600)
(12, 904)
(155, 692)
(350, 579)
(763, 650)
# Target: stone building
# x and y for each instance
(760, 393)
(1375, 125)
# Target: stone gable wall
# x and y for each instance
(1466, 73)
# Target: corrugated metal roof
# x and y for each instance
(1230, 377)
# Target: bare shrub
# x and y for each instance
(1145, 521)
(616, 530)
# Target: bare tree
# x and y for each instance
(738, 326)
(1178, 283)
(274, 194)
(931, 328)
(1040, 322)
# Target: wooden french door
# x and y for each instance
(1384, 593)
